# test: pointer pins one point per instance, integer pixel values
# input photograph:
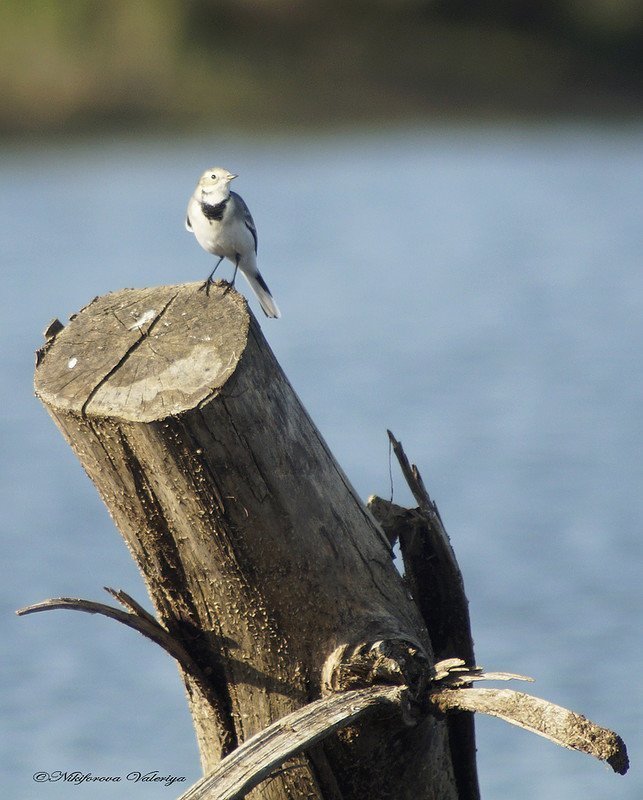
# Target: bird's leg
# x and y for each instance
(206, 285)
(234, 274)
(236, 267)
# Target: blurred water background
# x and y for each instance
(456, 258)
(478, 290)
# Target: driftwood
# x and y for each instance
(274, 587)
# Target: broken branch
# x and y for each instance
(555, 723)
(137, 618)
(255, 759)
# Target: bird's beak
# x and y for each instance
(232, 177)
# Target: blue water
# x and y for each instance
(477, 290)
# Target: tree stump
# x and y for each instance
(260, 559)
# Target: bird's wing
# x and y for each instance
(188, 223)
(247, 216)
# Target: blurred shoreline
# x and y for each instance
(86, 66)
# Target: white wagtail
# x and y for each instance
(223, 225)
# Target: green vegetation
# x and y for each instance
(73, 64)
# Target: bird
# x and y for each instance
(223, 226)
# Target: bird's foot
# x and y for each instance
(205, 286)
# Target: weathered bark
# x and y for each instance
(258, 556)
(432, 573)
(450, 693)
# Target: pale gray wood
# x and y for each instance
(256, 759)
(558, 724)
(269, 576)
(258, 555)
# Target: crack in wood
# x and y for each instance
(131, 349)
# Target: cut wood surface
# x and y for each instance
(258, 555)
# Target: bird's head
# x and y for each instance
(215, 182)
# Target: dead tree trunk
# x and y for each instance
(261, 561)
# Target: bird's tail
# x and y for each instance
(260, 288)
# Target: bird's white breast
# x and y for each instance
(225, 237)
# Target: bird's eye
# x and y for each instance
(213, 176)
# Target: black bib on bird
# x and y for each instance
(216, 211)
